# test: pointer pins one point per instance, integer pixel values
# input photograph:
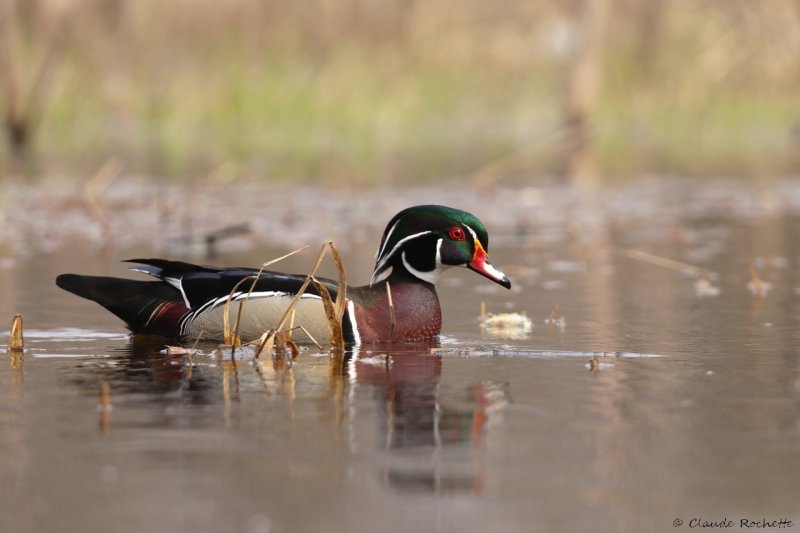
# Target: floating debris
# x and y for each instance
(508, 321)
(377, 360)
(594, 365)
(505, 325)
(703, 288)
(176, 350)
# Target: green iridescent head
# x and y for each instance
(425, 240)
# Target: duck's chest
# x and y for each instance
(417, 315)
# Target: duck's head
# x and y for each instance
(426, 240)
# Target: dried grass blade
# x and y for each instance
(341, 294)
(392, 320)
(266, 342)
(335, 334)
(17, 340)
(310, 336)
(269, 337)
(294, 350)
(281, 258)
(232, 339)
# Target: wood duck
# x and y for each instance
(188, 300)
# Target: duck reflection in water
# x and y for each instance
(435, 434)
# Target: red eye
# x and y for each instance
(457, 234)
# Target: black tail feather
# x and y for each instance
(135, 302)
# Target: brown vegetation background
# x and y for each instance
(391, 91)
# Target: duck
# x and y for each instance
(187, 301)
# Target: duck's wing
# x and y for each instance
(203, 285)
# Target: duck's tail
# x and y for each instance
(151, 307)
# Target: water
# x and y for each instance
(690, 409)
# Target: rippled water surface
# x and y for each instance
(657, 397)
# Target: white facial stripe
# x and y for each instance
(388, 256)
(386, 240)
(400, 243)
(385, 273)
(474, 235)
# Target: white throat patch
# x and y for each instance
(431, 276)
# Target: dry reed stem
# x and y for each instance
(310, 336)
(17, 340)
(314, 341)
(268, 338)
(392, 325)
(281, 258)
(483, 312)
(291, 322)
(196, 341)
(283, 341)
(341, 294)
(293, 347)
(335, 333)
(335, 325)
(392, 320)
(758, 283)
(334, 310)
(233, 340)
(265, 342)
(280, 344)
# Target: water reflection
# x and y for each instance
(434, 434)
(428, 428)
(708, 427)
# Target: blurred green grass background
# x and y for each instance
(397, 91)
